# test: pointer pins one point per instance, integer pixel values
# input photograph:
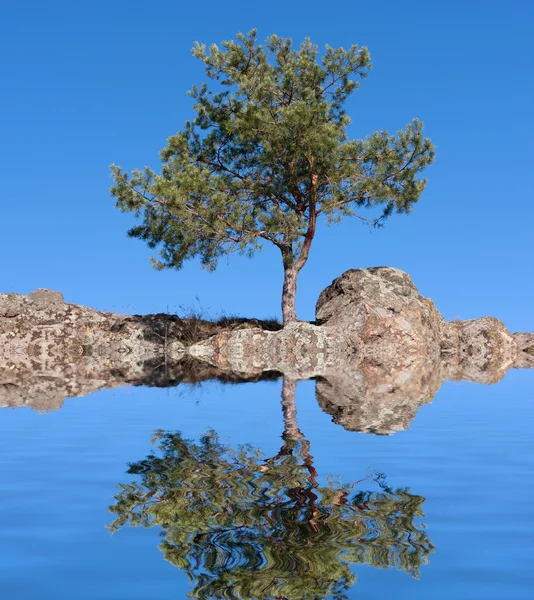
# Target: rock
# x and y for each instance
(371, 346)
(486, 349)
(525, 350)
(11, 305)
(395, 327)
(299, 349)
(43, 299)
(385, 317)
(50, 349)
(372, 400)
(367, 318)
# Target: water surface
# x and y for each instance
(252, 500)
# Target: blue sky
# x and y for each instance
(86, 84)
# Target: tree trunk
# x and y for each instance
(289, 292)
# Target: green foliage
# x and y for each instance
(267, 154)
(244, 528)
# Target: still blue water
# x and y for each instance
(469, 454)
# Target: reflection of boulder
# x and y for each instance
(374, 400)
(380, 399)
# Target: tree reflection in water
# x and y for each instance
(243, 527)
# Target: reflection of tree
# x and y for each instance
(243, 527)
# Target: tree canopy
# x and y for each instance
(242, 527)
(267, 155)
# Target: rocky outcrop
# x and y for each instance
(382, 311)
(486, 350)
(368, 317)
(377, 348)
(301, 350)
(525, 347)
(41, 332)
(50, 350)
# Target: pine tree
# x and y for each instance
(266, 156)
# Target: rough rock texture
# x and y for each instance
(378, 350)
(50, 350)
(372, 400)
(299, 350)
(525, 346)
(41, 332)
(486, 350)
(368, 317)
(382, 311)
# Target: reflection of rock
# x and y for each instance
(373, 401)
(48, 393)
(371, 346)
(377, 398)
(43, 392)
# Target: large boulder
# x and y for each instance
(393, 326)
(373, 316)
(384, 315)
